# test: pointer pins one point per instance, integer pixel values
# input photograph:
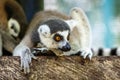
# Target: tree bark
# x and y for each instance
(62, 68)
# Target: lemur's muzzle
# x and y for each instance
(65, 48)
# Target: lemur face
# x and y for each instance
(55, 34)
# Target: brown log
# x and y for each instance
(62, 68)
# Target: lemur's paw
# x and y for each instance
(87, 53)
(25, 57)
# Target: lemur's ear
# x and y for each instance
(15, 11)
(44, 30)
(79, 15)
(13, 27)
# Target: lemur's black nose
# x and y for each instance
(67, 47)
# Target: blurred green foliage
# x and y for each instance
(117, 8)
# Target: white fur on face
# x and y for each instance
(13, 27)
(47, 38)
(65, 35)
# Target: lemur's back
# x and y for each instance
(43, 16)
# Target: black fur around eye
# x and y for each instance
(57, 37)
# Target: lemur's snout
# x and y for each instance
(67, 47)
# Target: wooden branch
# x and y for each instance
(62, 68)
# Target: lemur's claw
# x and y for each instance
(87, 53)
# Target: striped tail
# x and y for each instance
(106, 52)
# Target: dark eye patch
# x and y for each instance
(57, 37)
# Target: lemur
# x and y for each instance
(13, 24)
(51, 30)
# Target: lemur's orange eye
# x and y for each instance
(58, 37)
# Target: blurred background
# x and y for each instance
(104, 16)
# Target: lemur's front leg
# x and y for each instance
(80, 37)
(25, 56)
(85, 48)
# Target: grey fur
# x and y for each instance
(56, 25)
(35, 36)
